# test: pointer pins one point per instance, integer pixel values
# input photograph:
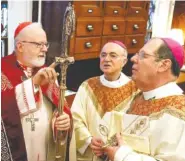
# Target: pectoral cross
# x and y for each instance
(32, 120)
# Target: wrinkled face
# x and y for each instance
(145, 64)
(34, 47)
(112, 59)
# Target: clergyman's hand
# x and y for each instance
(111, 150)
(96, 146)
(62, 122)
(45, 75)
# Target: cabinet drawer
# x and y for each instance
(114, 8)
(106, 39)
(89, 27)
(88, 8)
(89, 55)
(113, 26)
(135, 27)
(137, 9)
(91, 44)
(134, 43)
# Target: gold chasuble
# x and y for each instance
(108, 99)
(98, 111)
(154, 126)
(151, 106)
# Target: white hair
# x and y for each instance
(21, 33)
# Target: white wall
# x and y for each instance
(18, 11)
(163, 18)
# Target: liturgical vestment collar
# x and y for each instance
(166, 90)
(123, 79)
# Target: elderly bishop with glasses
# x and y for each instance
(154, 125)
(29, 99)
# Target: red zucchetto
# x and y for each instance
(20, 27)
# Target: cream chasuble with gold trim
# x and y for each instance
(154, 126)
(98, 110)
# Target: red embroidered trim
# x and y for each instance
(5, 83)
(24, 97)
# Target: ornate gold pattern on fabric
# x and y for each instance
(5, 83)
(103, 130)
(170, 110)
(110, 98)
(147, 107)
(139, 125)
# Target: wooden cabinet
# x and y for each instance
(137, 9)
(88, 8)
(114, 8)
(89, 27)
(98, 22)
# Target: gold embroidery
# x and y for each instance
(147, 107)
(139, 126)
(103, 130)
(110, 98)
(170, 110)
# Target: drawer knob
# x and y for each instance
(114, 27)
(134, 41)
(90, 27)
(137, 11)
(88, 45)
(90, 11)
(136, 27)
(115, 11)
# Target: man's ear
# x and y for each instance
(164, 65)
(124, 62)
(19, 47)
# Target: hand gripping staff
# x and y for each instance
(64, 61)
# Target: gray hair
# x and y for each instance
(31, 26)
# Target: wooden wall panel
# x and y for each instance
(179, 16)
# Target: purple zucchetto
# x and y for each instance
(118, 43)
(176, 49)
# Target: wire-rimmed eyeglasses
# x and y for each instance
(38, 45)
(142, 55)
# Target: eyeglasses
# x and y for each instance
(142, 55)
(112, 55)
(38, 45)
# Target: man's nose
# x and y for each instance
(44, 48)
(108, 57)
(134, 58)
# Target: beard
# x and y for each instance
(35, 62)
(38, 62)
